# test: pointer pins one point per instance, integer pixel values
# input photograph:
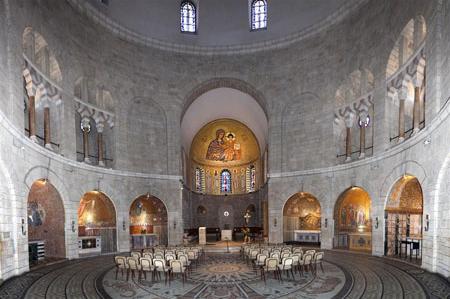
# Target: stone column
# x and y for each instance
(86, 128)
(100, 127)
(401, 112)
(47, 136)
(32, 118)
(31, 93)
(363, 124)
(416, 111)
(349, 119)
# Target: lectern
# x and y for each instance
(202, 235)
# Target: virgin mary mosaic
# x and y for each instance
(224, 147)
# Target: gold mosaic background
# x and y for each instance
(239, 152)
(304, 208)
(352, 211)
(406, 196)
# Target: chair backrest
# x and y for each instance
(191, 254)
(265, 252)
(136, 254)
(318, 256)
(133, 263)
(297, 250)
(148, 255)
(311, 251)
(271, 264)
(254, 253)
(275, 255)
(276, 251)
(261, 258)
(177, 266)
(287, 261)
(159, 251)
(295, 258)
(285, 254)
(121, 261)
(170, 256)
(146, 264)
(184, 259)
(170, 252)
(286, 250)
(307, 257)
(160, 264)
(158, 256)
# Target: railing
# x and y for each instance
(408, 133)
(27, 132)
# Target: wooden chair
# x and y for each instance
(160, 266)
(147, 266)
(270, 266)
(305, 262)
(260, 261)
(133, 265)
(186, 262)
(318, 258)
(177, 267)
(286, 265)
(121, 264)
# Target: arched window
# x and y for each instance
(188, 15)
(225, 181)
(199, 180)
(251, 178)
(259, 14)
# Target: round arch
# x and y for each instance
(352, 220)
(97, 223)
(148, 222)
(46, 220)
(302, 218)
(404, 218)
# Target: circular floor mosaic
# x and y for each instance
(228, 276)
(346, 275)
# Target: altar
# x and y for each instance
(307, 236)
(226, 234)
(360, 241)
(140, 241)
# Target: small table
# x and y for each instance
(226, 234)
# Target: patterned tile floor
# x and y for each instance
(346, 275)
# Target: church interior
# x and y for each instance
(224, 149)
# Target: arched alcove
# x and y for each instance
(404, 218)
(148, 222)
(301, 218)
(405, 72)
(225, 159)
(352, 222)
(201, 216)
(97, 224)
(46, 221)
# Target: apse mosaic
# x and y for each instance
(406, 196)
(146, 212)
(225, 158)
(305, 209)
(96, 210)
(352, 212)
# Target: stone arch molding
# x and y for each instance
(42, 172)
(214, 83)
(408, 167)
(318, 193)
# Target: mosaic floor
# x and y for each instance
(345, 275)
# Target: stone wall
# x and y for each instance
(303, 76)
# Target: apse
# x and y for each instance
(352, 220)
(46, 221)
(97, 231)
(148, 222)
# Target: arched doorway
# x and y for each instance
(148, 222)
(301, 219)
(96, 224)
(352, 222)
(403, 219)
(46, 220)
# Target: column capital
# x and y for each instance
(85, 123)
(100, 126)
(30, 82)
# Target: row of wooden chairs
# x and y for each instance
(171, 264)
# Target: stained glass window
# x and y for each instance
(199, 180)
(259, 14)
(250, 181)
(225, 181)
(188, 16)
